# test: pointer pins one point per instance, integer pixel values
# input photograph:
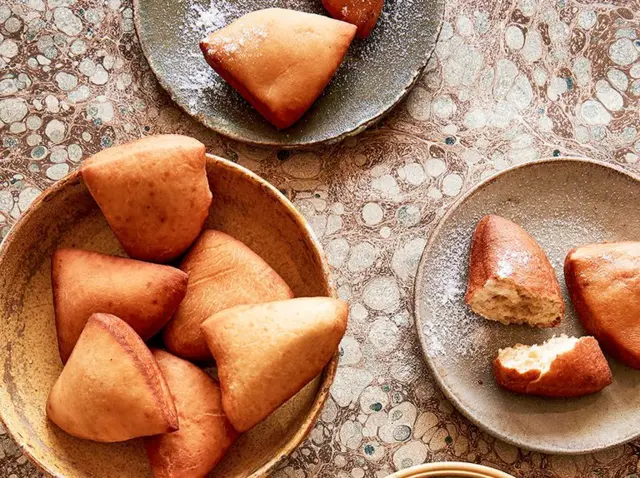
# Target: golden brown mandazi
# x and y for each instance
(266, 353)
(279, 60)
(361, 13)
(223, 273)
(154, 193)
(111, 389)
(510, 277)
(205, 432)
(604, 284)
(561, 367)
(142, 294)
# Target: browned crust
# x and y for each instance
(205, 432)
(223, 273)
(319, 262)
(242, 340)
(511, 379)
(580, 371)
(281, 105)
(165, 234)
(280, 121)
(171, 283)
(147, 364)
(576, 290)
(608, 315)
(496, 237)
(361, 13)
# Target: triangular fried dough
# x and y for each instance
(205, 432)
(223, 273)
(111, 389)
(510, 277)
(266, 353)
(154, 193)
(279, 60)
(361, 13)
(604, 284)
(144, 295)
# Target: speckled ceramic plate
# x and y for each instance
(563, 203)
(376, 74)
(450, 469)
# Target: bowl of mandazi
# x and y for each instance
(243, 206)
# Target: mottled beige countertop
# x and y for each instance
(511, 81)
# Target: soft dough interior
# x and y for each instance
(536, 357)
(503, 301)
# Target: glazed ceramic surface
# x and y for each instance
(509, 81)
(375, 75)
(563, 204)
(243, 206)
(450, 469)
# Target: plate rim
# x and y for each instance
(419, 318)
(450, 469)
(357, 129)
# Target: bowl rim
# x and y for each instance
(329, 371)
(450, 469)
(357, 129)
(419, 319)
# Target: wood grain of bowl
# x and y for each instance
(244, 206)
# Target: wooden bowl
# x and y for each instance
(244, 206)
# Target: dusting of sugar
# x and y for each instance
(454, 328)
(203, 20)
(385, 55)
(509, 259)
(250, 35)
(192, 76)
(562, 205)
(559, 221)
(452, 293)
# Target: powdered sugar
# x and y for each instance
(452, 293)
(374, 75)
(235, 45)
(562, 205)
(559, 217)
(454, 329)
(204, 19)
(511, 259)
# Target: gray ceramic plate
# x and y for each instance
(376, 74)
(563, 203)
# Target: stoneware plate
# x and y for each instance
(450, 469)
(244, 206)
(562, 203)
(376, 74)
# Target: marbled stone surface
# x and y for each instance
(511, 81)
